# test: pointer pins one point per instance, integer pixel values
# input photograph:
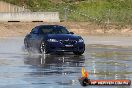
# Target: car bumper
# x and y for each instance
(58, 47)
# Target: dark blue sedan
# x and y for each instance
(53, 38)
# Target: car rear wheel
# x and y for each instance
(26, 45)
(78, 52)
(43, 48)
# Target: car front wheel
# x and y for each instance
(26, 45)
(43, 48)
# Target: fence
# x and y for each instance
(6, 7)
(101, 12)
(13, 13)
(30, 17)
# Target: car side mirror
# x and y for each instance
(71, 32)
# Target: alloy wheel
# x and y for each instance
(43, 48)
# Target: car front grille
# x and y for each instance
(68, 42)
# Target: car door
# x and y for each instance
(35, 38)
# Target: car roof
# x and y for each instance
(52, 26)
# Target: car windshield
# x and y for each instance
(60, 30)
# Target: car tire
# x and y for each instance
(26, 46)
(78, 52)
(43, 48)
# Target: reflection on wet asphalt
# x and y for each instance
(21, 70)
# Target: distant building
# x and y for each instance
(7, 7)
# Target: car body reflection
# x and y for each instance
(54, 64)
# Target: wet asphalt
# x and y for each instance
(18, 69)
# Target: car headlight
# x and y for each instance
(52, 40)
(81, 40)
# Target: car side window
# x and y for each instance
(34, 31)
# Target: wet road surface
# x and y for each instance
(18, 69)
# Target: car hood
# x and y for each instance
(63, 36)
